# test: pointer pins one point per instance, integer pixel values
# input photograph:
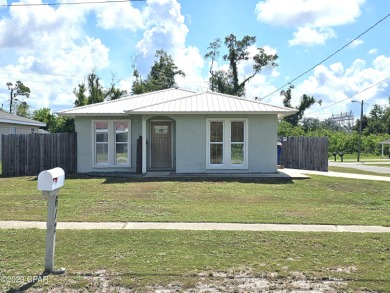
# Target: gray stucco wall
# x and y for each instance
(189, 143)
(85, 144)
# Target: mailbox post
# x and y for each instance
(50, 181)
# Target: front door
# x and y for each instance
(161, 144)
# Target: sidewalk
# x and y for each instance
(195, 226)
(301, 174)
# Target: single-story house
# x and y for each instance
(383, 143)
(13, 124)
(182, 131)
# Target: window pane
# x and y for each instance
(121, 126)
(102, 137)
(101, 125)
(121, 137)
(102, 153)
(216, 131)
(216, 154)
(237, 132)
(237, 154)
(121, 155)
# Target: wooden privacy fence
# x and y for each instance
(29, 154)
(307, 153)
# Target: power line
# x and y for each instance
(330, 56)
(68, 3)
(348, 98)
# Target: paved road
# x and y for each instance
(362, 166)
(195, 226)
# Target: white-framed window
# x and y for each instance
(227, 143)
(111, 143)
(12, 130)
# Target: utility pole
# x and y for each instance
(360, 129)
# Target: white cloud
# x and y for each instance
(373, 51)
(191, 62)
(356, 43)
(311, 17)
(119, 16)
(335, 86)
(51, 51)
(165, 29)
(310, 36)
(296, 13)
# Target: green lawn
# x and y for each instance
(135, 259)
(353, 158)
(319, 200)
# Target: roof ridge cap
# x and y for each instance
(124, 97)
(163, 102)
(255, 101)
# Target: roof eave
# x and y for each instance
(280, 114)
(74, 115)
(38, 124)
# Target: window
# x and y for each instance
(101, 139)
(111, 143)
(121, 143)
(237, 143)
(216, 143)
(227, 143)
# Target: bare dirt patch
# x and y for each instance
(211, 282)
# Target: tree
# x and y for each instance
(19, 89)
(377, 121)
(81, 98)
(44, 115)
(53, 122)
(286, 129)
(305, 103)
(238, 51)
(23, 109)
(161, 76)
(96, 92)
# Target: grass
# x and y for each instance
(320, 200)
(353, 157)
(135, 259)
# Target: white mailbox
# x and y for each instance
(50, 182)
(52, 179)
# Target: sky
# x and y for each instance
(52, 48)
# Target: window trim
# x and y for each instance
(227, 161)
(111, 144)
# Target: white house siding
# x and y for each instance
(5, 128)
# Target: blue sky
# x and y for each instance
(52, 48)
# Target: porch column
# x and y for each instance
(383, 151)
(143, 145)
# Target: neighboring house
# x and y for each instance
(13, 124)
(385, 143)
(182, 131)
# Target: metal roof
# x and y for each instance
(178, 101)
(15, 119)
